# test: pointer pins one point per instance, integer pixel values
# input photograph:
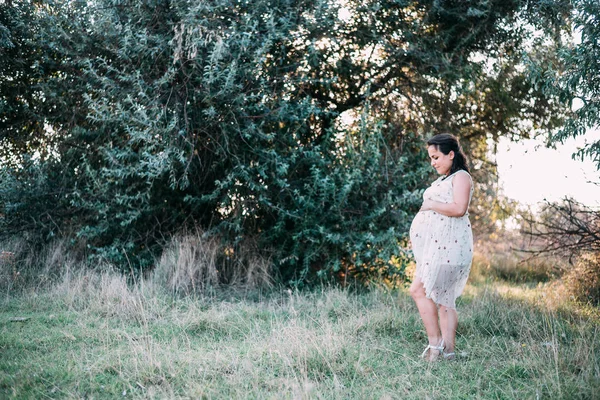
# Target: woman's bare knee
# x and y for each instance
(417, 290)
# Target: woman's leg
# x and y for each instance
(448, 324)
(429, 314)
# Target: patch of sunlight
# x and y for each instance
(521, 292)
(544, 294)
(344, 14)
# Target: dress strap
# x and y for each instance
(456, 172)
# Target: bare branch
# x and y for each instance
(567, 228)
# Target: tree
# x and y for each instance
(297, 125)
(41, 93)
(574, 76)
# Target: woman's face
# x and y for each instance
(440, 161)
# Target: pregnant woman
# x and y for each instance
(442, 243)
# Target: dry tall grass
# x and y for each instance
(23, 268)
(188, 264)
(195, 263)
(191, 263)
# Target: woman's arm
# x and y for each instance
(461, 189)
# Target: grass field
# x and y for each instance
(91, 335)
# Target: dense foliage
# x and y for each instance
(295, 126)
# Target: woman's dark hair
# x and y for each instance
(446, 143)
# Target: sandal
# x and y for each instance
(439, 348)
(449, 356)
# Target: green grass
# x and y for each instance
(92, 336)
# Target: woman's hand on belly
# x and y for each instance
(426, 206)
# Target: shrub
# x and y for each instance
(582, 281)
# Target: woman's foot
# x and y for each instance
(432, 353)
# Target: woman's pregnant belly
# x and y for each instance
(419, 228)
(450, 236)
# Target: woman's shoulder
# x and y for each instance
(463, 175)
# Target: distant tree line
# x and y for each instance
(295, 127)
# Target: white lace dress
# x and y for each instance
(442, 246)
